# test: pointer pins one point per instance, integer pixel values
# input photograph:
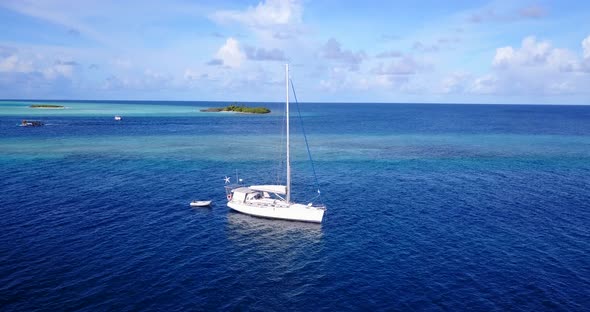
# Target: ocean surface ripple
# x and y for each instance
(430, 207)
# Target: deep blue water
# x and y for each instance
(430, 207)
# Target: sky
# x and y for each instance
(515, 52)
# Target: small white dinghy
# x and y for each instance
(200, 203)
(118, 118)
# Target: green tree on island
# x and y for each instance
(239, 109)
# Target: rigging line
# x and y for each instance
(317, 184)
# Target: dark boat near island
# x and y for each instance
(31, 123)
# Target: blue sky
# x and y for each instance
(339, 51)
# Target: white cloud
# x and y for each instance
(532, 52)
(272, 21)
(538, 54)
(340, 79)
(486, 84)
(32, 73)
(586, 47)
(265, 14)
(59, 69)
(262, 54)
(149, 80)
(333, 50)
(337, 79)
(406, 65)
(455, 82)
(230, 53)
(535, 68)
(503, 56)
(13, 63)
(24, 62)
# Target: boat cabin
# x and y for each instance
(256, 192)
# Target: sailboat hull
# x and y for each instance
(293, 212)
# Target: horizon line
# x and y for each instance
(303, 102)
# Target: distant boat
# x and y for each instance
(200, 203)
(31, 123)
(117, 118)
(273, 201)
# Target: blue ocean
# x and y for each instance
(429, 207)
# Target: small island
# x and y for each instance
(50, 106)
(238, 109)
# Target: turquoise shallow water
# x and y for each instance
(393, 148)
(73, 108)
(430, 207)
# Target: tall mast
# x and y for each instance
(288, 141)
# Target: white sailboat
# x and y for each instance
(273, 201)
